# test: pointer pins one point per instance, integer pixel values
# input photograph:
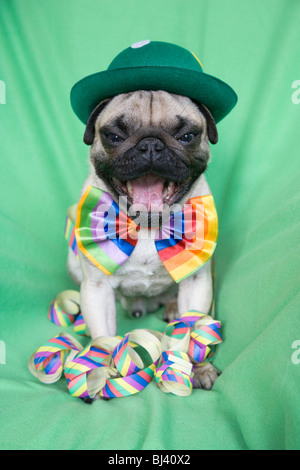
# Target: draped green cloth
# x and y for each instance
(45, 47)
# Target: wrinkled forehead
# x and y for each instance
(150, 108)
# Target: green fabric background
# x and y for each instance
(45, 47)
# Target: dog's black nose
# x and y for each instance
(150, 147)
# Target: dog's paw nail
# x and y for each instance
(205, 376)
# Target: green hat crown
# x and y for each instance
(156, 54)
(153, 65)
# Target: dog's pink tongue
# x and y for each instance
(147, 192)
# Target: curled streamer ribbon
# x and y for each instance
(64, 311)
(113, 367)
(175, 374)
(194, 333)
(49, 361)
(135, 373)
(187, 342)
(107, 366)
(88, 371)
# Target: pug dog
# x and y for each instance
(151, 147)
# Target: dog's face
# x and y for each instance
(150, 146)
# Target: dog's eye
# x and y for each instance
(187, 138)
(113, 138)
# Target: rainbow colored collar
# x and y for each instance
(107, 236)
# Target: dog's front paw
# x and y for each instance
(171, 311)
(205, 376)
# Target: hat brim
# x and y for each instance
(86, 94)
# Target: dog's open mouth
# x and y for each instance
(149, 193)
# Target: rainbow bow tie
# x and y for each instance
(107, 236)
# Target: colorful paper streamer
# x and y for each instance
(49, 361)
(114, 367)
(174, 375)
(65, 310)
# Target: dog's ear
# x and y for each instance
(212, 131)
(89, 134)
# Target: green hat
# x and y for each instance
(153, 65)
